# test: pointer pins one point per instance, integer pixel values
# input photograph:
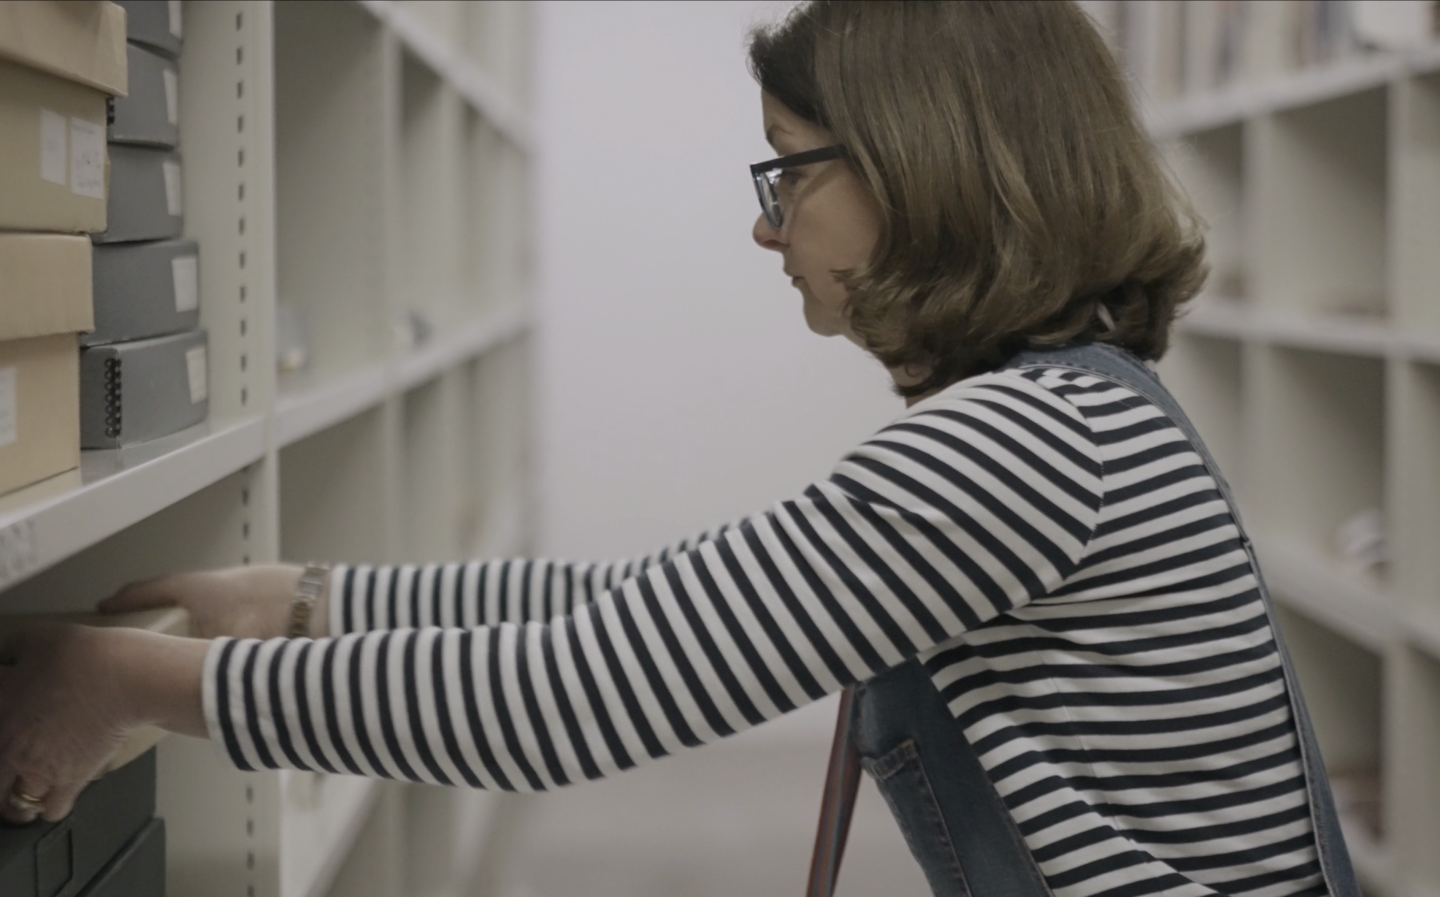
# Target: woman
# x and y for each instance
(1071, 680)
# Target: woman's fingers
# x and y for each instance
(60, 801)
(25, 801)
(141, 596)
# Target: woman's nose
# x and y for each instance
(766, 237)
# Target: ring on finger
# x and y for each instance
(24, 803)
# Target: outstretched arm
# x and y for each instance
(942, 522)
(479, 593)
(971, 506)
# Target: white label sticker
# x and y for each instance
(53, 160)
(173, 202)
(9, 410)
(87, 159)
(172, 96)
(185, 271)
(195, 362)
(18, 555)
(176, 26)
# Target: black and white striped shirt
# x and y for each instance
(1049, 545)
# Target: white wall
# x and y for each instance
(677, 385)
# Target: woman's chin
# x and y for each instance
(820, 320)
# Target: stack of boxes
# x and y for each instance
(58, 64)
(143, 372)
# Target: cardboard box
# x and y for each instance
(144, 290)
(45, 285)
(155, 23)
(44, 302)
(135, 392)
(79, 40)
(145, 199)
(150, 115)
(53, 167)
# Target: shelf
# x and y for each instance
(461, 343)
(1205, 374)
(1316, 427)
(1417, 774)
(321, 818)
(1295, 90)
(1319, 229)
(1374, 865)
(431, 177)
(47, 523)
(1348, 335)
(306, 411)
(308, 408)
(1350, 603)
(477, 87)
(1343, 683)
(1415, 204)
(434, 488)
(1415, 491)
(1211, 166)
(331, 153)
(335, 494)
(443, 828)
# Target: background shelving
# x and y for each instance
(1312, 366)
(335, 155)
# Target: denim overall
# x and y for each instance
(955, 822)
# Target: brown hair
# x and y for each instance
(1024, 206)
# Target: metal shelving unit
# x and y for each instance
(319, 138)
(1311, 367)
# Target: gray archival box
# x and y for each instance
(154, 23)
(145, 200)
(138, 870)
(151, 113)
(144, 290)
(135, 392)
(58, 859)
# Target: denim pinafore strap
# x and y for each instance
(949, 811)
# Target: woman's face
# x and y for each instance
(831, 222)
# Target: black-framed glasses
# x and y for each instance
(770, 181)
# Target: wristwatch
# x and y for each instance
(307, 593)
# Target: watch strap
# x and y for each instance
(307, 595)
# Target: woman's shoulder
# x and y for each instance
(1078, 396)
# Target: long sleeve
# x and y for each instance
(478, 593)
(975, 503)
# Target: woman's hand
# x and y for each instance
(68, 695)
(60, 718)
(246, 602)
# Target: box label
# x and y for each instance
(173, 202)
(185, 271)
(87, 159)
(176, 26)
(18, 554)
(172, 96)
(53, 161)
(195, 361)
(9, 408)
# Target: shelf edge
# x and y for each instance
(39, 536)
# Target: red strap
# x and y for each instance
(842, 782)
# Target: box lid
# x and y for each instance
(81, 40)
(45, 285)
